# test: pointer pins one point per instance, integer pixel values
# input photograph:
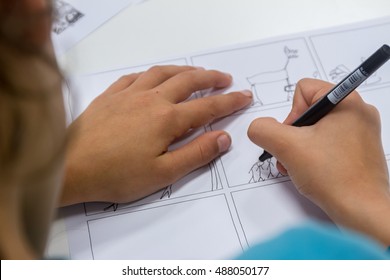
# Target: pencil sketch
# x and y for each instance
(256, 202)
(169, 190)
(215, 182)
(114, 207)
(166, 192)
(65, 16)
(261, 171)
(271, 87)
(341, 71)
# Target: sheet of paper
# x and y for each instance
(75, 19)
(220, 210)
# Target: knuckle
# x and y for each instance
(304, 83)
(126, 78)
(200, 78)
(373, 112)
(212, 108)
(156, 70)
(192, 76)
(205, 152)
(166, 113)
(210, 103)
(355, 97)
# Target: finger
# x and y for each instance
(198, 112)
(307, 92)
(195, 154)
(122, 83)
(281, 168)
(157, 75)
(181, 86)
(274, 137)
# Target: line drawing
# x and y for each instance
(254, 193)
(168, 191)
(261, 171)
(65, 16)
(215, 182)
(341, 71)
(284, 88)
(114, 207)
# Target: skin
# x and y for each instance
(145, 113)
(347, 175)
(118, 148)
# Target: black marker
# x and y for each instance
(325, 104)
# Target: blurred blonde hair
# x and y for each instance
(29, 78)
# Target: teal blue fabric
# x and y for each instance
(317, 241)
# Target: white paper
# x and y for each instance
(75, 19)
(222, 209)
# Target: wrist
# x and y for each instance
(72, 190)
(365, 212)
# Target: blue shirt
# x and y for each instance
(316, 241)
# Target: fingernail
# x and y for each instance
(228, 74)
(246, 92)
(225, 82)
(224, 143)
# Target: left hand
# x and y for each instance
(120, 148)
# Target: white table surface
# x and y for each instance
(165, 28)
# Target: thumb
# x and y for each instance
(197, 153)
(274, 137)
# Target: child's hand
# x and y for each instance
(120, 147)
(338, 162)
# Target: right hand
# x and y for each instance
(338, 163)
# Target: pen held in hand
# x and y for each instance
(325, 104)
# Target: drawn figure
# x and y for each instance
(114, 207)
(273, 86)
(215, 183)
(65, 16)
(167, 191)
(338, 73)
(256, 174)
(341, 71)
(261, 171)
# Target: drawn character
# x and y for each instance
(261, 171)
(114, 207)
(271, 87)
(215, 182)
(167, 191)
